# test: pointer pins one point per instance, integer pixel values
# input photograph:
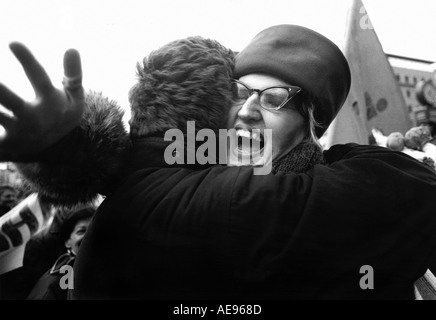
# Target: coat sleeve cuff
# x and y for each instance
(84, 163)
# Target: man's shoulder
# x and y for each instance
(359, 151)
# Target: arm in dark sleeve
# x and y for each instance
(226, 232)
(369, 206)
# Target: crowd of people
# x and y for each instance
(418, 142)
(70, 235)
(45, 253)
(195, 230)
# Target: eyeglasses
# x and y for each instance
(272, 98)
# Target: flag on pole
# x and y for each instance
(17, 226)
(375, 99)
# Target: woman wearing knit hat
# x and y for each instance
(193, 231)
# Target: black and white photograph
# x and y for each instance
(217, 156)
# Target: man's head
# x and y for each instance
(8, 196)
(185, 80)
(395, 141)
(417, 137)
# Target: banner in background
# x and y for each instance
(375, 99)
(17, 226)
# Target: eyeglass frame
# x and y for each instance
(259, 93)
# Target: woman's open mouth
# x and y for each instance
(250, 142)
(248, 148)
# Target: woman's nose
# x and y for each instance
(250, 110)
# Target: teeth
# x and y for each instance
(243, 133)
(247, 134)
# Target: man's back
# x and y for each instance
(176, 233)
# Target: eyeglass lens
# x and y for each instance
(270, 98)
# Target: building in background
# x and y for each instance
(411, 74)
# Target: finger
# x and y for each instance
(35, 72)
(6, 120)
(73, 75)
(72, 64)
(10, 100)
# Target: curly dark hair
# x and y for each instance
(185, 80)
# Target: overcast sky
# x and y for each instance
(113, 35)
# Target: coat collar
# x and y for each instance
(150, 152)
(63, 260)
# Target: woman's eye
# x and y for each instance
(80, 231)
(274, 98)
(240, 93)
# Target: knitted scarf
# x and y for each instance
(300, 159)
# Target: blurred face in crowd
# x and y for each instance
(8, 198)
(395, 141)
(76, 237)
(287, 124)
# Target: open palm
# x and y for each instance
(38, 124)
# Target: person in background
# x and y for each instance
(8, 198)
(417, 142)
(43, 249)
(72, 232)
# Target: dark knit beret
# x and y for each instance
(304, 58)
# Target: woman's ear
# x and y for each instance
(68, 243)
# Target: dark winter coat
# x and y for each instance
(222, 232)
(48, 287)
(174, 232)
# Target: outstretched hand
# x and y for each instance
(37, 125)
